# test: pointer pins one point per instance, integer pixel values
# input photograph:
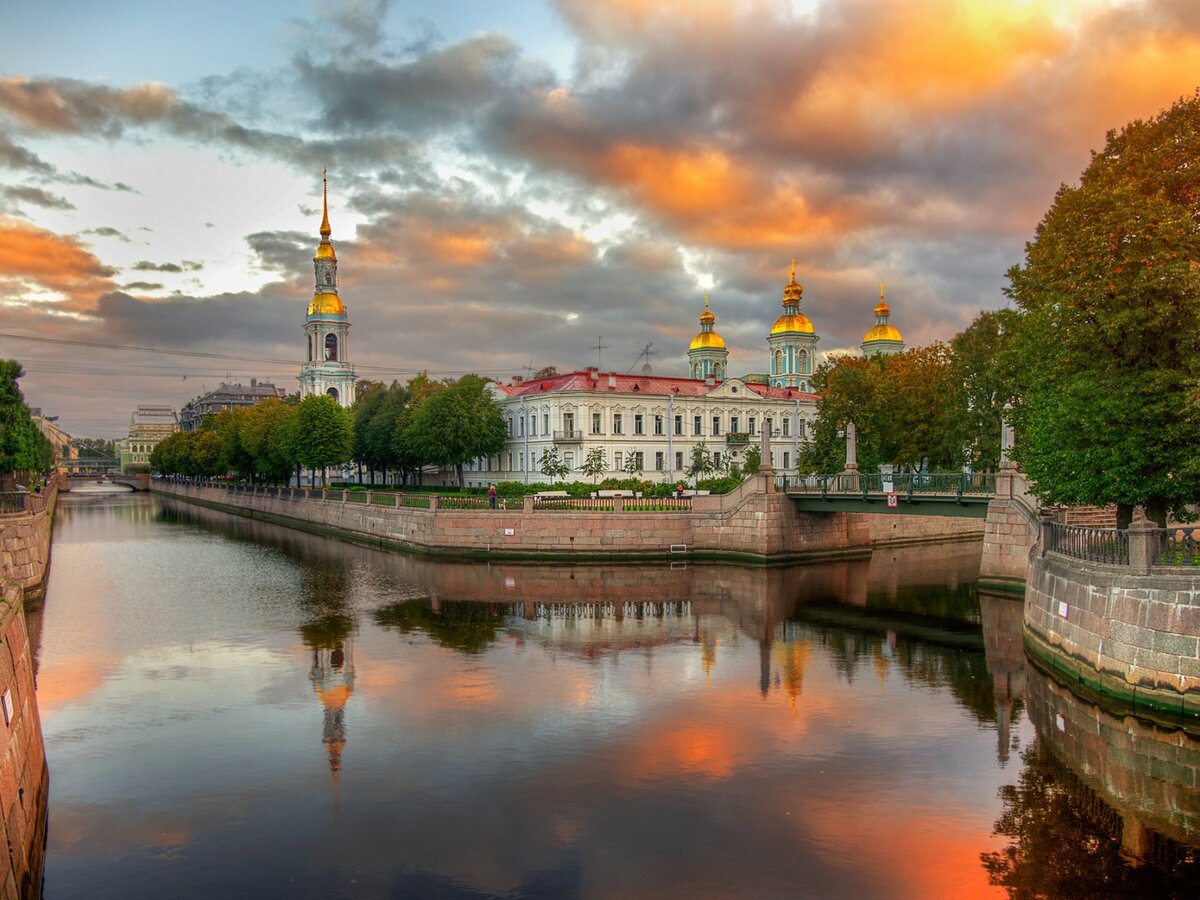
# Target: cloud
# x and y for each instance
(38, 197)
(15, 157)
(142, 286)
(187, 265)
(108, 231)
(40, 263)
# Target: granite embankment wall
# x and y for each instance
(24, 780)
(1010, 531)
(25, 543)
(753, 523)
(1127, 632)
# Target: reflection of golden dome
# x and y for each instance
(326, 305)
(334, 697)
(797, 323)
(707, 340)
(882, 333)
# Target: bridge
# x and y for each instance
(87, 464)
(918, 493)
(137, 482)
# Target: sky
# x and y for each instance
(513, 184)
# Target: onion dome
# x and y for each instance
(707, 339)
(792, 321)
(326, 305)
(881, 330)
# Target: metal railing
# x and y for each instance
(658, 504)
(463, 503)
(594, 504)
(568, 437)
(1102, 545)
(1180, 546)
(914, 484)
(21, 502)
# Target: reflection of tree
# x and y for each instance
(460, 625)
(1066, 842)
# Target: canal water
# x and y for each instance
(233, 709)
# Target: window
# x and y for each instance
(787, 459)
(510, 460)
(617, 460)
(569, 423)
(716, 425)
(658, 424)
(733, 424)
(803, 427)
(533, 423)
(752, 422)
(569, 460)
(679, 424)
(696, 427)
(659, 461)
(678, 459)
(616, 423)
(641, 461)
(331, 347)
(595, 423)
(638, 427)
(787, 427)
(717, 460)
(545, 423)
(510, 427)
(522, 427)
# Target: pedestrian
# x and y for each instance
(492, 496)
(679, 489)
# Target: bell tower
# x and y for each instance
(327, 368)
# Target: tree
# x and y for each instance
(321, 432)
(264, 437)
(847, 386)
(1107, 346)
(753, 461)
(551, 465)
(368, 395)
(23, 447)
(459, 423)
(594, 464)
(633, 464)
(983, 385)
(702, 462)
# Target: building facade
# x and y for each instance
(227, 396)
(793, 342)
(64, 448)
(327, 368)
(148, 427)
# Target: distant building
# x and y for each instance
(227, 396)
(64, 448)
(148, 426)
(882, 339)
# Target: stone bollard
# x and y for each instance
(618, 504)
(527, 503)
(1144, 543)
(324, 493)
(433, 503)
(370, 495)
(345, 495)
(1046, 519)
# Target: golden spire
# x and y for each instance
(881, 292)
(706, 299)
(793, 279)
(325, 229)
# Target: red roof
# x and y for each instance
(611, 382)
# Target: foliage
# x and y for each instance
(633, 464)
(594, 464)
(95, 448)
(722, 485)
(984, 385)
(267, 439)
(551, 464)
(702, 461)
(1107, 347)
(460, 625)
(321, 433)
(23, 447)
(456, 424)
(753, 461)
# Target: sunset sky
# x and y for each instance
(510, 182)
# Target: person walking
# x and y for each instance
(492, 496)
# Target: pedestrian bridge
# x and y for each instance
(918, 493)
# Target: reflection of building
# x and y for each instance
(148, 427)
(332, 677)
(227, 396)
(327, 368)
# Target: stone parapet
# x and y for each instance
(25, 545)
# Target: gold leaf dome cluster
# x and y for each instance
(707, 339)
(792, 321)
(326, 305)
(881, 330)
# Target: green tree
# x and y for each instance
(753, 460)
(915, 417)
(23, 447)
(459, 423)
(321, 433)
(983, 385)
(847, 386)
(633, 464)
(594, 464)
(702, 462)
(264, 436)
(368, 395)
(235, 455)
(552, 466)
(1107, 348)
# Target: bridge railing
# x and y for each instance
(1102, 545)
(909, 484)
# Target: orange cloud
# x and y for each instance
(46, 105)
(38, 261)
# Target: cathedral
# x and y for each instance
(327, 368)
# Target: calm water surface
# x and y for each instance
(237, 710)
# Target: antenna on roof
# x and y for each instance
(600, 347)
(645, 354)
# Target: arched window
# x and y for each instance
(333, 392)
(329, 278)
(778, 362)
(804, 361)
(331, 347)
(717, 370)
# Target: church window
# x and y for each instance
(329, 278)
(791, 359)
(616, 423)
(778, 362)
(333, 392)
(804, 361)
(717, 370)
(331, 348)
(638, 426)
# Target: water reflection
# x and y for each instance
(841, 729)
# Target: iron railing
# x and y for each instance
(463, 503)
(594, 504)
(915, 484)
(1179, 546)
(568, 437)
(1102, 545)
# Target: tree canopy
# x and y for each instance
(1107, 347)
(23, 447)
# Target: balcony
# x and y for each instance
(568, 437)
(737, 437)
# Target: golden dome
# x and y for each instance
(789, 324)
(326, 305)
(707, 340)
(325, 251)
(882, 333)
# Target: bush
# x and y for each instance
(722, 485)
